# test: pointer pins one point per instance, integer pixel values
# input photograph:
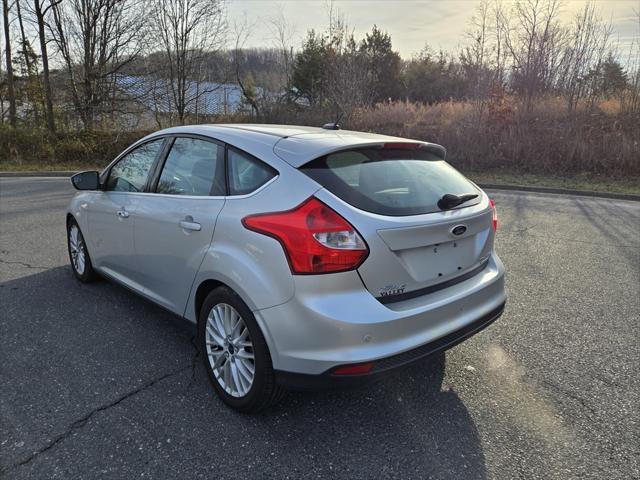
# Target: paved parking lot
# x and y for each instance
(97, 383)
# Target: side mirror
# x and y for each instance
(86, 180)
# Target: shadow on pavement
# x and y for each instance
(619, 228)
(90, 373)
(404, 425)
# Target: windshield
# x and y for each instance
(390, 181)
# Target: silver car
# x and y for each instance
(307, 257)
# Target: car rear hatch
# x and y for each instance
(393, 195)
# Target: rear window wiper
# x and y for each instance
(449, 201)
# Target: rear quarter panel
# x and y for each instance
(252, 264)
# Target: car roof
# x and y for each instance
(294, 144)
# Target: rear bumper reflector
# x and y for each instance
(353, 369)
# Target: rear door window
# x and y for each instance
(193, 167)
(390, 181)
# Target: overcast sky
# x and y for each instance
(411, 23)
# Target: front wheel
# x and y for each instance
(78, 254)
(235, 353)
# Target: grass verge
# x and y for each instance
(588, 182)
(52, 167)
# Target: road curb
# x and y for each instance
(488, 186)
(59, 173)
(561, 191)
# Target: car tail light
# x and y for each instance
(495, 215)
(355, 369)
(314, 237)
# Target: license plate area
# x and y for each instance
(440, 260)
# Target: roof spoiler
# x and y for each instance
(435, 148)
(429, 147)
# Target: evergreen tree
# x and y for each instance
(310, 67)
(382, 65)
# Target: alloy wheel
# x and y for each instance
(77, 249)
(229, 350)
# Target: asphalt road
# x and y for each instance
(97, 383)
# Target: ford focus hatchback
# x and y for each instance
(307, 257)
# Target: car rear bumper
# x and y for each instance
(332, 320)
(385, 366)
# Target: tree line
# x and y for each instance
(62, 60)
(523, 49)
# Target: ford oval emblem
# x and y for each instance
(458, 230)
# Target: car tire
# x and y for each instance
(228, 360)
(79, 254)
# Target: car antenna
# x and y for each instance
(334, 125)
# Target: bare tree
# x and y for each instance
(241, 32)
(11, 93)
(476, 56)
(40, 11)
(585, 50)
(2, 102)
(350, 85)
(533, 37)
(631, 102)
(348, 88)
(96, 39)
(187, 31)
(25, 46)
(30, 67)
(477, 52)
(282, 33)
(500, 51)
(275, 92)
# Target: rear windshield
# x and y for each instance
(390, 181)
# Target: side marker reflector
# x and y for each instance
(355, 369)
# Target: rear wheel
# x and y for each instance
(78, 253)
(235, 353)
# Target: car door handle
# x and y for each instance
(122, 213)
(186, 225)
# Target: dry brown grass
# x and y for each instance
(498, 136)
(547, 139)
